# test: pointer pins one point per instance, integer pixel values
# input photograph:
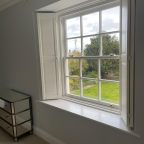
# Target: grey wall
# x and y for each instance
(19, 64)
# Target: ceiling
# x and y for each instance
(62, 4)
(7, 3)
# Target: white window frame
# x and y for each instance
(57, 78)
(72, 14)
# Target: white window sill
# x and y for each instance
(107, 118)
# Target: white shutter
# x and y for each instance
(131, 45)
(124, 46)
(46, 34)
(127, 62)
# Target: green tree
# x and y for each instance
(74, 63)
(109, 68)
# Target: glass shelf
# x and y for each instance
(15, 113)
(12, 96)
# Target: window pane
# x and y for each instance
(91, 23)
(89, 68)
(73, 86)
(90, 89)
(73, 27)
(73, 68)
(74, 47)
(91, 46)
(111, 44)
(111, 19)
(110, 69)
(110, 92)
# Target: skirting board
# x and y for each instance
(47, 137)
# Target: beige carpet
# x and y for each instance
(30, 139)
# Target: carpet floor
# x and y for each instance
(30, 139)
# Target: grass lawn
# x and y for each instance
(109, 92)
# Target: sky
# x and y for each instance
(110, 22)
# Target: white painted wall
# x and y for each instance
(19, 63)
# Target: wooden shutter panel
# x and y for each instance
(127, 60)
(47, 55)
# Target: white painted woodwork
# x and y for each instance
(47, 55)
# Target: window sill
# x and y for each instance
(103, 117)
